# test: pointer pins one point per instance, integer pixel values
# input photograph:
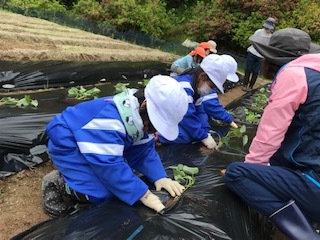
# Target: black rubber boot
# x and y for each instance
(245, 81)
(253, 80)
(53, 188)
(291, 222)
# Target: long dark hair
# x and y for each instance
(143, 112)
(195, 79)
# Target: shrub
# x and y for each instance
(48, 5)
(148, 16)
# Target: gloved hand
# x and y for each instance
(233, 124)
(152, 201)
(173, 187)
(209, 142)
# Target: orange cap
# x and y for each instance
(200, 51)
(205, 45)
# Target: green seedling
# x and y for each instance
(81, 93)
(232, 133)
(184, 174)
(120, 87)
(21, 103)
(259, 102)
(252, 117)
(144, 82)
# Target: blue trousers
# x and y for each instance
(268, 188)
(254, 64)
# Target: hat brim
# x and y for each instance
(276, 55)
(269, 26)
(167, 131)
(218, 84)
(213, 50)
(233, 77)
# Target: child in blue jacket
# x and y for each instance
(199, 85)
(96, 144)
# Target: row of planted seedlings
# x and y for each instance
(246, 112)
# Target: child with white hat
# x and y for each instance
(96, 144)
(202, 85)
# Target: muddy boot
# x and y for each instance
(53, 190)
(291, 222)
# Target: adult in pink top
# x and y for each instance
(280, 177)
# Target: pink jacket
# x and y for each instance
(288, 91)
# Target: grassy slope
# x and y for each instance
(32, 39)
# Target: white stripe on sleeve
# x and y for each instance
(186, 85)
(101, 148)
(105, 124)
(210, 96)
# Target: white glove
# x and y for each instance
(152, 201)
(173, 187)
(234, 125)
(209, 142)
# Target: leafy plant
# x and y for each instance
(147, 16)
(81, 93)
(184, 174)
(252, 117)
(144, 82)
(120, 87)
(49, 5)
(260, 101)
(233, 133)
(23, 102)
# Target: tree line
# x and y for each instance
(228, 22)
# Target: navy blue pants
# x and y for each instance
(268, 188)
(253, 64)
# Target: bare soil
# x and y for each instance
(24, 39)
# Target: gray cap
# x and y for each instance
(284, 45)
(270, 22)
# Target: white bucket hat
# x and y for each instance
(167, 103)
(216, 69)
(232, 67)
(213, 46)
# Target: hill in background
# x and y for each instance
(24, 39)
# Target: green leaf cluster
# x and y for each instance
(148, 16)
(81, 93)
(184, 174)
(233, 133)
(120, 87)
(21, 103)
(260, 101)
(252, 117)
(48, 5)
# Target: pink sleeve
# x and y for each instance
(289, 90)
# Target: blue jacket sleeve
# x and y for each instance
(102, 142)
(143, 157)
(191, 123)
(108, 163)
(214, 109)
